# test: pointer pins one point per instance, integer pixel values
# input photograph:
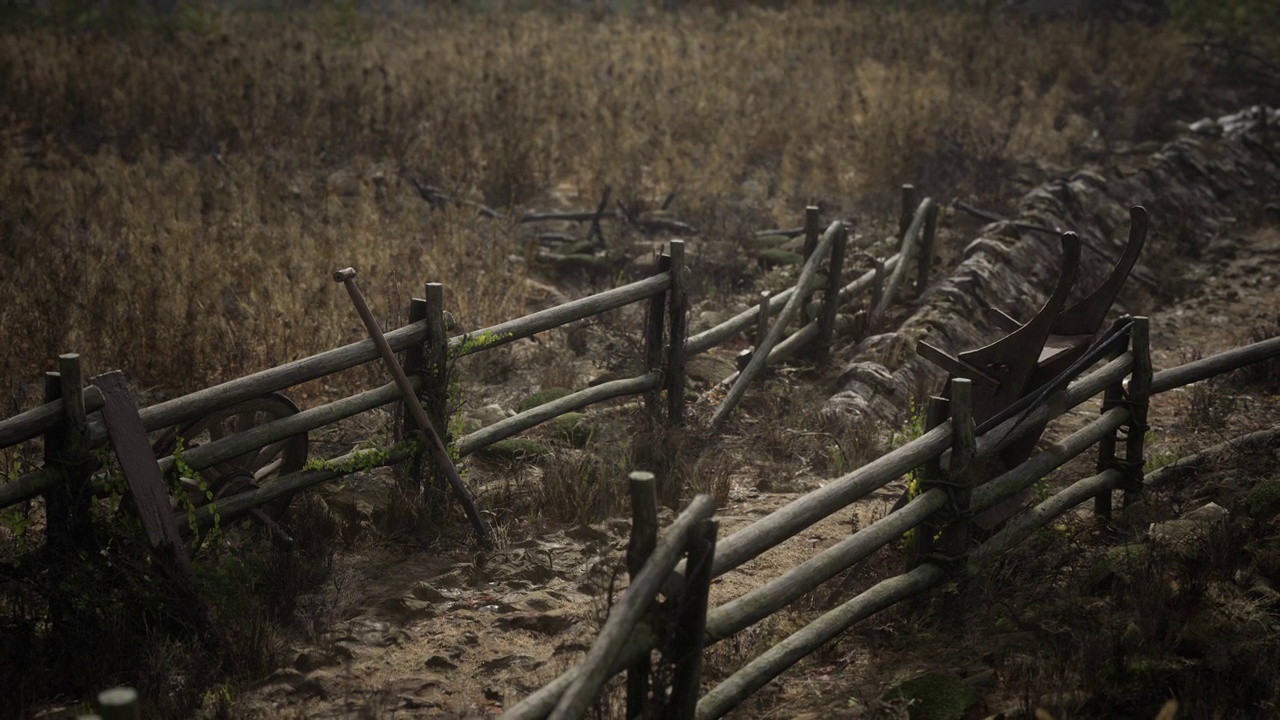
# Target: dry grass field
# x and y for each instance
(173, 202)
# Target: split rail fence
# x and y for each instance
(71, 423)
(945, 456)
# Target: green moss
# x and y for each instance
(572, 430)
(514, 449)
(775, 257)
(542, 397)
(1264, 500)
(935, 697)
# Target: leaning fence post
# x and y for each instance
(925, 261)
(1113, 396)
(959, 475)
(691, 620)
(644, 537)
(654, 325)
(811, 231)
(679, 321)
(1139, 394)
(830, 300)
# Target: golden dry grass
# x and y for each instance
(173, 204)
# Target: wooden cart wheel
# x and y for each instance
(254, 469)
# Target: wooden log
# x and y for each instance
(711, 337)
(877, 287)
(910, 240)
(935, 414)
(789, 232)
(57, 497)
(925, 261)
(537, 705)
(1195, 463)
(762, 316)
(261, 436)
(1021, 527)
(543, 320)
(435, 382)
(781, 352)
(655, 326)
(538, 415)
(287, 485)
(415, 362)
(830, 300)
(624, 616)
(1107, 444)
(757, 673)
(678, 322)
(42, 418)
(691, 621)
(644, 538)
(788, 313)
(435, 443)
(1206, 368)
(571, 216)
(763, 601)
(1138, 394)
(906, 207)
(811, 232)
(1015, 480)
(77, 464)
(959, 473)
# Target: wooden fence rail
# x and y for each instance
(935, 445)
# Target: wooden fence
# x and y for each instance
(72, 408)
(948, 497)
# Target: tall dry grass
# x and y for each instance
(173, 204)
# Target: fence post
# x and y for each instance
(960, 476)
(830, 299)
(811, 231)
(679, 320)
(906, 210)
(925, 261)
(644, 537)
(1139, 394)
(75, 456)
(1113, 396)
(654, 325)
(691, 620)
(877, 289)
(930, 477)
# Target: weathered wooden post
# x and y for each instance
(877, 290)
(691, 620)
(654, 327)
(1139, 395)
(678, 308)
(931, 476)
(830, 300)
(644, 537)
(925, 262)
(1112, 397)
(811, 231)
(906, 210)
(959, 475)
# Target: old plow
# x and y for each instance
(1036, 358)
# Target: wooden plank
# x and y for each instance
(146, 486)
